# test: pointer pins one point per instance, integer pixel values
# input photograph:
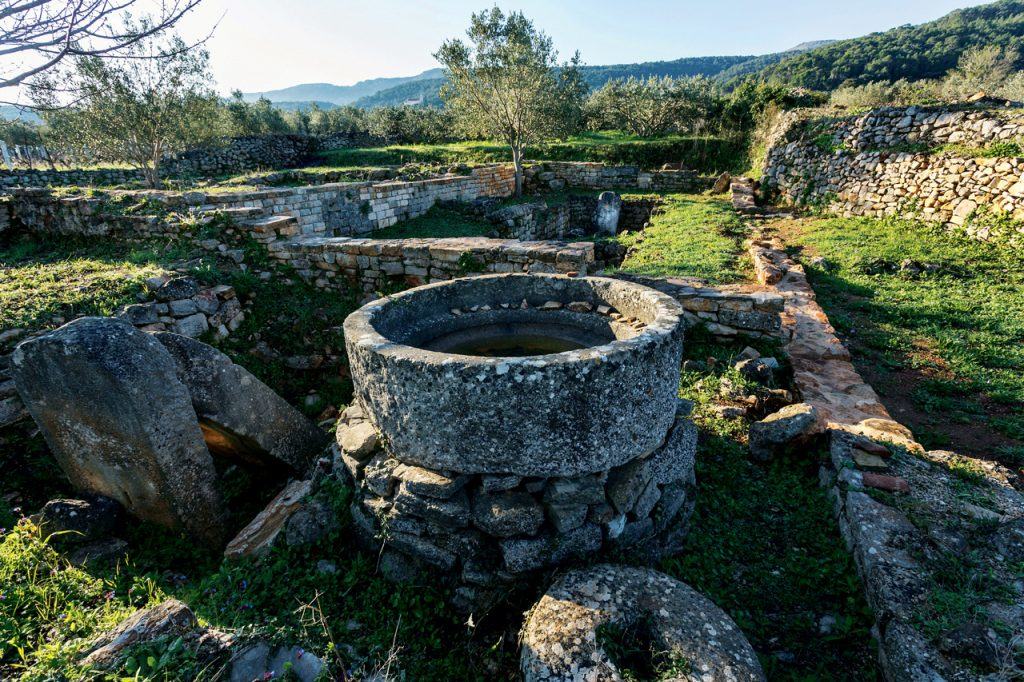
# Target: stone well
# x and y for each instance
(506, 423)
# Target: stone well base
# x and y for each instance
(485, 532)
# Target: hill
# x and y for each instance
(337, 94)
(926, 50)
(595, 76)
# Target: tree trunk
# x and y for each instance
(517, 161)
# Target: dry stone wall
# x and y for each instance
(581, 175)
(891, 162)
(235, 155)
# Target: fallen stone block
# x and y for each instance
(78, 521)
(791, 426)
(120, 422)
(170, 618)
(240, 415)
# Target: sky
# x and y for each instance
(261, 45)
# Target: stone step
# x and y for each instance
(279, 224)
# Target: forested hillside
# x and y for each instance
(912, 52)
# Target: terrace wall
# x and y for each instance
(580, 175)
(236, 155)
(889, 162)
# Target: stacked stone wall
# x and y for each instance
(337, 209)
(892, 162)
(233, 156)
(582, 175)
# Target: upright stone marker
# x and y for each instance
(606, 217)
(120, 422)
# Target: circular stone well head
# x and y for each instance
(533, 375)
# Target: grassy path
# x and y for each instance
(941, 339)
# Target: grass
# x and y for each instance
(943, 348)
(689, 236)
(764, 545)
(437, 222)
(704, 154)
(43, 280)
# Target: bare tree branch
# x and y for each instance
(45, 32)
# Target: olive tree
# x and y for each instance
(506, 83)
(655, 106)
(136, 110)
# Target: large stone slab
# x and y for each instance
(240, 415)
(120, 422)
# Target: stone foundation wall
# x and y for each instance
(374, 263)
(487, 531)
(581, 175)
(527, 222)
(891, 162)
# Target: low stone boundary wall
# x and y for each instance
(584, 175)
(890, 162)
(901, 511)
(337, 209)
(726, 312)
(373, 263)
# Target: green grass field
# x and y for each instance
(690, 236)
(945, 349)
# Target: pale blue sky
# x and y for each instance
(266, 44)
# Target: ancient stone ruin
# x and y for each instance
(523, 420)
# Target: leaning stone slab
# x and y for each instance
(560, 639)
(239, 414)
(261, 533)
(120, 422)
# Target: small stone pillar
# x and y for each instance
(606, 217)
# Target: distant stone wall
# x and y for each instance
(244, 154)
(23, 177)
(236, 155)
(890, 162)
(339, 209)
(581, 175)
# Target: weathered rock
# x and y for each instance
(239, 414)
(261, 533)
(722, 183)
(12, 410)
(451, 513)
(755, 369)
(560, 642)
(422, 481)
(527, 554)
(311, 523)
(77, 521)
(507, 513)
(176, 289)
(105, 551)
(358, 440)
(120, 422)
(260, 661)
(792, 425)
(171, 618)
